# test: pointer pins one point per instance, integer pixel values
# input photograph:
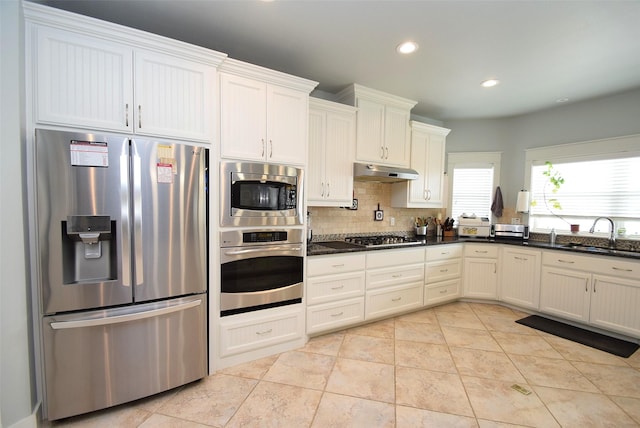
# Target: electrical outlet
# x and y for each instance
(515, 220)
(392, 221)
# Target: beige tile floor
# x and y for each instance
(453, 365)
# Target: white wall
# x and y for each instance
(16, 391)
(605, 117)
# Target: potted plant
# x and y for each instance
(555, 180)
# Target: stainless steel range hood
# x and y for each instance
(381, 173)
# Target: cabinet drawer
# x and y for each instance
(246, 332)
(335, 315)
(395, 276)
(439, 271)
(327, 265)
(481, 250)
(442, 292)
(444, 252)
(395, 257)
(322, 289)
(392, 300)
(565, 260)
(617, 267)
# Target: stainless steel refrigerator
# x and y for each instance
(122, 268)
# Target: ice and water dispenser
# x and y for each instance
(88, 249)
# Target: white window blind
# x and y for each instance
(593, 188)
(472, 191)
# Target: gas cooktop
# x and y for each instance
(382, 240)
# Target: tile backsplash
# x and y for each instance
(329, 220)
(340, 221)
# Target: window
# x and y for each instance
(601, 179)
(473, 178)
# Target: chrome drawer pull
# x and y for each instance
(444, 270)
(338, 287)
(621, 269)
(260, 333)
(443, 291)
(566, 261)
(338, 314)
(398, 275)
(337, 266)
(396, 299)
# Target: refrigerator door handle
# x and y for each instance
(125, 222)
(60, 325)
(137, 213)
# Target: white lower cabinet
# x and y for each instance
(600, 291)
(335, 291)
(481, 271)
(520, 276)
(443, 271)
(261, 329)
(395, 281)
(391, 300)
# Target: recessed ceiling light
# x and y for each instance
(489, 83)
(562, 100)
(407, 47)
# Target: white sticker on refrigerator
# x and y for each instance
(89, 153)
(165, 172)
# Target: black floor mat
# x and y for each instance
(614, 346)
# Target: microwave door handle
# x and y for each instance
(137, 213)
(125, 222)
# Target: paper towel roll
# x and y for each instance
(522, 204)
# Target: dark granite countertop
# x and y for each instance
(317, 249)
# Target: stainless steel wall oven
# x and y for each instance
(260, 269)
(260, 194)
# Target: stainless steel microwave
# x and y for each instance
(260, 194)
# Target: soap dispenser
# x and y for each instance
(552, 237)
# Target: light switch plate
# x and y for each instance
(378, 215)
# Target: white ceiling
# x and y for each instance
(540, 50)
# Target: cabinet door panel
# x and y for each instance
(565, 293)
(316, 168)
(615, 303)
(419, 150)
(396, 131)
(287, 117)
(370, 133)
(83, 82)
(480, 278)
(174, 97)
(242, 118)
(340, 152)
(520, 278)
(435, 170)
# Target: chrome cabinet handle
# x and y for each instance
(386, 156)
(444, 270)
(262, 154)
(520, 258)
(328, 189)
(270, 148)
(322, 192)
(444, 291)
(425, 195)
(139, 116)
(428, 195)
(338, 287)
(566, 261)
(261, 333)
(381, 152)
(338, 266)
(397, 299)
(621, 269)
(126, 115)
(338, 314)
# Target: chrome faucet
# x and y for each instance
(612, 236)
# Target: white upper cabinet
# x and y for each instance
(174, 97)
(264, 114)
(332, 136)
(427, 157)
(94, 75)
(382, 135)
(83, 81)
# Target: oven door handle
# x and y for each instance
(260, 250)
